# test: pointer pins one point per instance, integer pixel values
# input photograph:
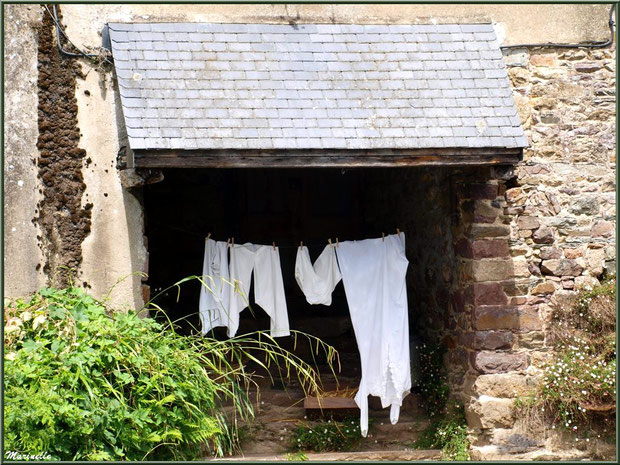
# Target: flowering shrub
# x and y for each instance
(580, 383)
(327, 435)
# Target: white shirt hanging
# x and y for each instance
(215, 292)
(373, 273)
(317, 281)
(264, 260)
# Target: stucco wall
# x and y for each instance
(114, 249)
(21, 188)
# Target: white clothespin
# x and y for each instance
(383, 236)
(330, 241)
(208, 235)
(228, 242)
(301, 244)
(398, 232)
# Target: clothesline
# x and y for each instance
(281, 246)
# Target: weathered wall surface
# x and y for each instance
(22, 256)
(528, 240)
(114, 251)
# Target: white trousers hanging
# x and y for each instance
(317, 281)
(215, 292)
(373, 273)
(264, 260)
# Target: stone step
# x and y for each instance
(383, 455)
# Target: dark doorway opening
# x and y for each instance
(287, 206)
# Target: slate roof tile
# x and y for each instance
(337, 86)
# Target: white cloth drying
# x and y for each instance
(317, 282)
(215, 292)
(264, 260)
(373, 273)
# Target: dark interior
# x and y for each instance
(287, 206)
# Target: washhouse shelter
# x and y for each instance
(278, 134)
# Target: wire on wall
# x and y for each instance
(60, 31)
(599, 44)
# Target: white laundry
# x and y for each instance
(268, 285)
(215, 292)
(373, 273)
(317, 282)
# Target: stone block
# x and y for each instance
(477, 191)
(488, 294)
(478, 231)
(586, 205)
(546, 287)
(490, 249)
(543, 235)
(602, 229)
(499, 362)
(548, 253)
(531, 340)
(506, 317)
(533, 269)
(528, 222)
(595, 261)
(521, 268)
(518, 287)
(493, 340)
(495, 412)
(568, 284)
(561, 267)
(492, 270)
(516, 57)
(484, 212)
(572, 253)
(513, 194)
(544, 59)
(588, 66)
(506, 385)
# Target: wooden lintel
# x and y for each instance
(324, 158)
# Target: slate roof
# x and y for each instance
(331, 86)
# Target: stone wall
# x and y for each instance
(525, 241)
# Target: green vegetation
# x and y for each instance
(448, 430)
(579, 384)
(83, 382)
(324, 436)
(578, 388)
(433, 385)
(448, 433)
